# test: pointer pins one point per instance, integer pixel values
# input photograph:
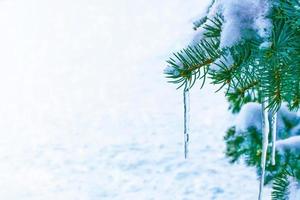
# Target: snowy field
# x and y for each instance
(86, 113)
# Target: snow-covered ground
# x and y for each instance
(86, 113)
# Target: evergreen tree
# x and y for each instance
(251, 49)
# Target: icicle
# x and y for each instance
(265, 134)
(274, 133)
(186, 101)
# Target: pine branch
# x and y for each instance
(213, 27)
(235, 72)
(191, 63)
(280, 188)
(260, 67)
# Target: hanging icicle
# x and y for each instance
(186, 101)
(274, 134)
(265, 134)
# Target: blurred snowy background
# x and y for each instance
(86, 113)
